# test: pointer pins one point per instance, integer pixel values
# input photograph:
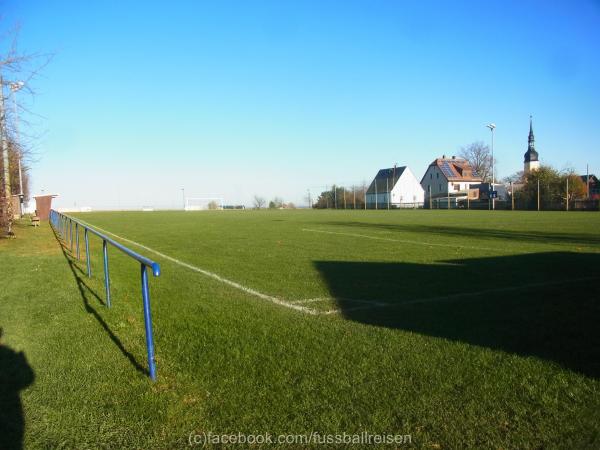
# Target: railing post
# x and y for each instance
(77, 238)
(71, 234)
(148, 323)
(87, 252)
(106, 276)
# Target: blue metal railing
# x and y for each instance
(64, 225)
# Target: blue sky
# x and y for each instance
(234, 99)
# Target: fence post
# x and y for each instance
(71, 234)
(87, 252)
(148, 323)
(77, 238)
(106, 275)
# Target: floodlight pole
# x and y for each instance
(492, 127)
(7, 208)
(14, 88)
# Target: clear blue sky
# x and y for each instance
(272, 98)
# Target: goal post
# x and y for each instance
(203, 203)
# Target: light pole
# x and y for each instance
(492, 127)
(14, 88)
(183, 195)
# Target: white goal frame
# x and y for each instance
(202, 203)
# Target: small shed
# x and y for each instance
(43, 204)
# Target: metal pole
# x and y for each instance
(538, 194)
(14, 88)
(493, 174)
(183, 194)
(430, 199)
(71, 235)
(87, 252)
(567, 192)
(512, 196)
(148, 323)
(77, 238)
(387, 188)
(7, 209)
(106, 275)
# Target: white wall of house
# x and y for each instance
(407, 190)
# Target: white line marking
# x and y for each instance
(403, 241)
(213, 275)
(296, 305)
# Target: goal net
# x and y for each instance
(203, 203)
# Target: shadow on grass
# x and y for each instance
(482, 233)
(543, 304)
(15, 375)
(86, 292)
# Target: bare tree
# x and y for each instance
(259, 202)
(16, 72)
(479, 156)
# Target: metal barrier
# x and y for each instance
(64, 225)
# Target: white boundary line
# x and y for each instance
(369, 304)
(403, 241)
(213, 275)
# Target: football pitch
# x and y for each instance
(458, 328)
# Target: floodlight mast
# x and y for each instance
(14, 88)
(492, 127)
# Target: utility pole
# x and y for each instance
(7, 207)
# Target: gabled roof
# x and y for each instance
(386, 179)
(592, 178)
(455, 169)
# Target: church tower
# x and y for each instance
(531, 156)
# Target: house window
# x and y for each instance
(430, 175)
(457, 187)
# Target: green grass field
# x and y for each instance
(460, 328)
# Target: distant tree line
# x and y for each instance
(340, 197)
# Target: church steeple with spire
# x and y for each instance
(531, 155)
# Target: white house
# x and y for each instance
(449, 179)
(396, 187)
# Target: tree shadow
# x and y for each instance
(539, 236)
(86, 292)
(543, 304)
(15, 375)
